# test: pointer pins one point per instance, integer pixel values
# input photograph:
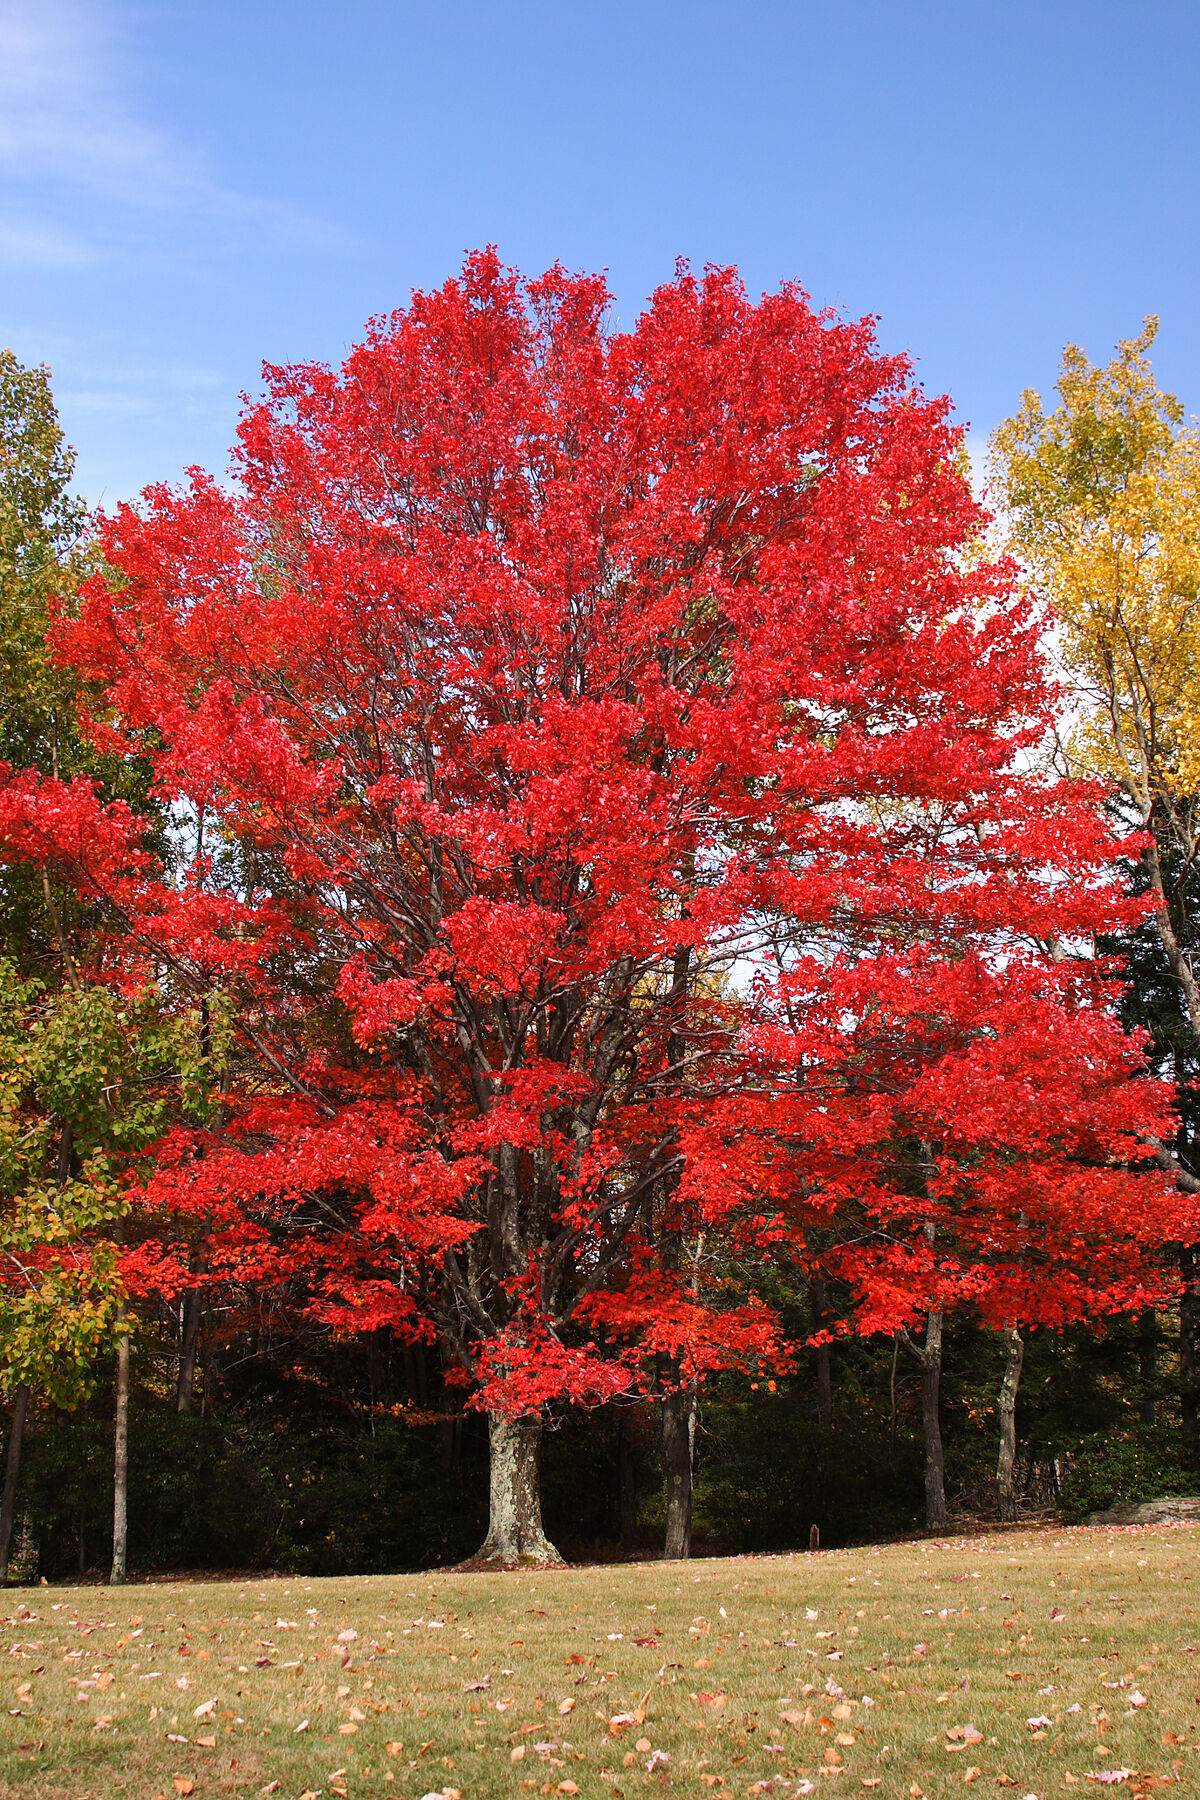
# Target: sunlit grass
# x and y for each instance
(1036, 1661)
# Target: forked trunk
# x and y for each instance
(1014, 1356)
(12, 1468)
(121, 1463)
(931, 1420)
(679, 1443)
(515, 1535)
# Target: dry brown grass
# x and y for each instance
(946, 1655)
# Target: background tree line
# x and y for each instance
(768, 1259)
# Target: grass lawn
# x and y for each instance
(1036, 1662)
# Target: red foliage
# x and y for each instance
(615, 776)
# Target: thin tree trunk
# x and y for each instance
(1148, 1363)
(679, 1443)
(189, 1335)
(1177, 959)
(931, 1422)
(515, 1535)
(1189, 1331)
(12, 1468)
(121, 1461)
(626, 1480)
(816, 1294)
(1014, 1356)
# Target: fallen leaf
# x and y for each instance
(183, 1784)
(269, 1788)
(517, 1755)
(568, 1787)
(207, 1743)
(798, 1719)
(302, 1726)
(1137, 1699)
(565, 1706)
(972, 1774)
(202, 1711)
(394, 1748)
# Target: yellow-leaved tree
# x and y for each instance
(1101, 500)
(1102, 497)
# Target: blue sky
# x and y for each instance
(190, 187)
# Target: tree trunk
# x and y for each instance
(931, 1421)
(1148, 1362)
(121, 1461)
(12, 1468)
(626, 1480)
(515, 1535)
(189, 1334)
(1189, 1331)
(816, 1294)
(679, 1442)
(1014, 1356)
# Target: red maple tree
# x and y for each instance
(606, 754)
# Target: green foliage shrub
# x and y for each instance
(1120, 1468)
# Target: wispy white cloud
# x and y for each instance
(83, 173)
(32, 243)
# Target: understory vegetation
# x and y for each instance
(337, 1467)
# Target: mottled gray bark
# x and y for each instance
(189, 1333)
(515, 1535)
(679, 1444)
(12, 1468)
(931, 1422)
(1014, 1356)
(121, 1463)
